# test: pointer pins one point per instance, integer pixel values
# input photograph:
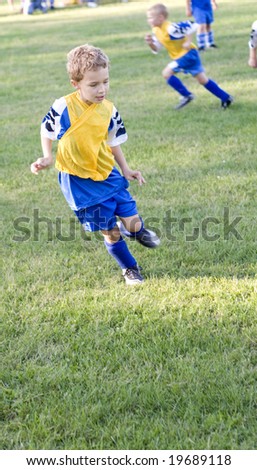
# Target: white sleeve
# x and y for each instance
(116, 133)
(52, 127)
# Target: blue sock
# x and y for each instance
(216, 90)
(201, 40)
(210, 37)
(120, 252)
(175, 83)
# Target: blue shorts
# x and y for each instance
(202, 16)
(189, 63)
(103, 216)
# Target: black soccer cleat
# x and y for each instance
(184, 101)
(227, 103)
(132, 275)
(146, 237)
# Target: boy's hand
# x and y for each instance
(214, 5)
(148, 39)
(131, 175)
(252, 63)
(41, 164)
(150, 42)
(187, 45)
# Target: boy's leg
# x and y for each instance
(201, 37)
(174, 81)
(102, 218)
(118, 249)
(133, 228)
(131, 224)
(252, 61)
(212, 87)
(177, 85)
(199, 15)
(210, 36)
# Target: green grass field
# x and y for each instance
(87, 362)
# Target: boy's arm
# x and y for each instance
(252, 61)
(50, 128)
(152, 43)
(47, 159)
(188, 41)
(126, 171)
(214, 5)
(188, 8)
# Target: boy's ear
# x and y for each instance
(74, 83)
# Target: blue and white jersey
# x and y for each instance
(56, 122)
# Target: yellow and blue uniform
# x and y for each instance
(172, 36)
(88, 177)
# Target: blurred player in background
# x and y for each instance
(177, 39)
(202, 11)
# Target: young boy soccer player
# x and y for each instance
(177, 39)
(202, 11)
(90, 130)
(252, 61)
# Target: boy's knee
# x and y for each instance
(111, 236)
(202, 78)
(202, 28)
(167, 73)
(132, 224)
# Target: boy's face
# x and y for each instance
(94, 86)
(154, 18)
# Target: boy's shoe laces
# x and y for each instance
(132, 275)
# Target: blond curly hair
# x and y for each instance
(84, 58)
